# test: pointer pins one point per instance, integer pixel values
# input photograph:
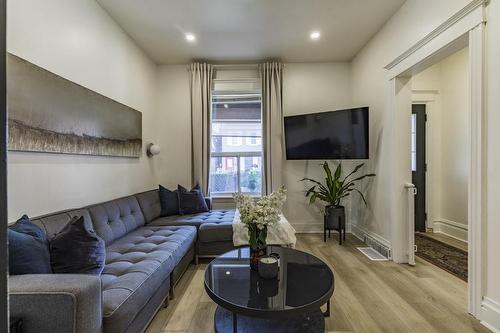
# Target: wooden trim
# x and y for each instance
(438, 31)
(361, 232)
(451, 229)
(477, 214)
(427, 52)
(490, 314)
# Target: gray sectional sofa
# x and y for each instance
(146, 256)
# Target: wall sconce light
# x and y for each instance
(152, 150)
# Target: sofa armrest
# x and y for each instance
(208, 200)
(56, 302)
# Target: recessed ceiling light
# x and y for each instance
(190, 37)
(315, 35)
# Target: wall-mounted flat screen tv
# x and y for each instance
(332, 135)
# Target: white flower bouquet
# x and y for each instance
(258, 214)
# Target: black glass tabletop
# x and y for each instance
(304, 283)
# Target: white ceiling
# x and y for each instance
(247, 30)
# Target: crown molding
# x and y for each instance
(473, 5)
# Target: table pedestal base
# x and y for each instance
(312, 322)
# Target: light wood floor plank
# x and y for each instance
(186, 308)
(369, 296)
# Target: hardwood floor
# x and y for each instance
(370, 296)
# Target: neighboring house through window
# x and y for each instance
(236, 143)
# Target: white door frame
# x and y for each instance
(469, 22)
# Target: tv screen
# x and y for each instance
(333, 135)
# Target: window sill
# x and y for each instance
(230, 196)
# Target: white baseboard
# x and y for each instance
(452, 229)
(360, 233)
(376, 241)
(490, 314)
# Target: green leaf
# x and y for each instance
(328, 172)
(263, 235)
(311, 180)
(362, 196)
(359, 166)
(311, 190)
(338, 171)
(364, 176)
(252, 236)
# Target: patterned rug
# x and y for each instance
(447, 257)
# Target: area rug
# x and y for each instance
(447, 257)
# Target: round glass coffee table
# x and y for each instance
(290, 303)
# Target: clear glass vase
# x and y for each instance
(258, 245)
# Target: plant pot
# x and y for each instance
(335, 217)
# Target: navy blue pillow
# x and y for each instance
(191, 202)
(28, 248)
(169, 202)
(77, 249)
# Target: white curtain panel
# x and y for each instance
(272, 124)
(201, 75)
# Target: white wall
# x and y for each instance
(369, 86)
(413, 21)
(77, 40)
(454, 168)
(174, 125)
(447, 134)
(309, 88)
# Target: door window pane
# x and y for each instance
(413, 142)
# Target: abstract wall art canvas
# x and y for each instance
(48, 113)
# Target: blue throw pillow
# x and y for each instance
(191, 202)
(169, 202)
(28, 248)
(77, 249)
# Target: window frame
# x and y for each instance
(235, 154)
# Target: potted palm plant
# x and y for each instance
(335, 189)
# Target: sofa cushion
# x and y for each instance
(191, 202)
(171, 221)
(150, 204)
(136, 266)
(216, 231)
(214, 225)
(116, 218)
(169, 201)
(28, 248)
(77, 249)
(212, 216)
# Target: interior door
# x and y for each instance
(418, 163)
